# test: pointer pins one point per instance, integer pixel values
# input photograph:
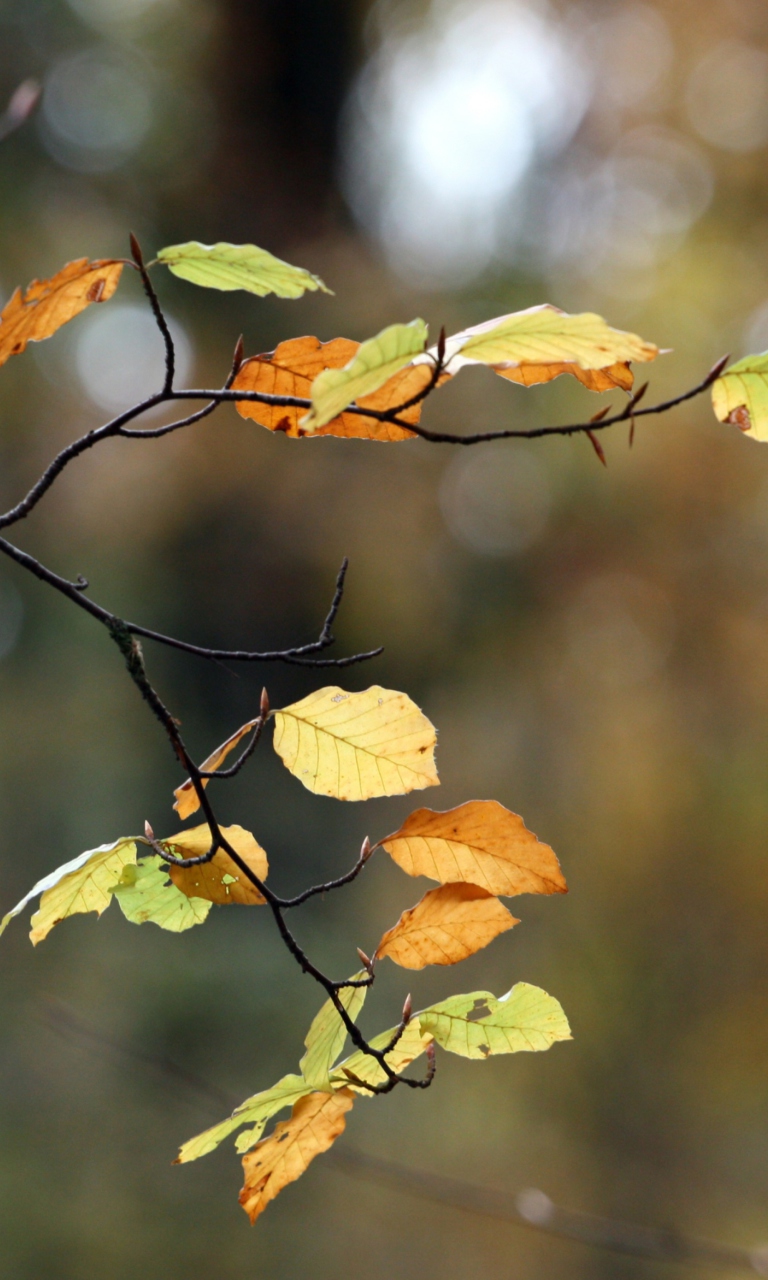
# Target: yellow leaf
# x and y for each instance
(480, 842)
(740, 396)
(542, 342)
(449, 924)
(84, 884)
(290, 371)
(37, 312)
(357, 745)
(186, 802)
(255, 1111)
(219, 880)
(316, 1122)
(374, 362)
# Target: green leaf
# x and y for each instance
(147, 896)
(478, 1025)
(412, 1043)
(327, 1034)
(374, 362)
(238, 266)
(740, 396)
(255, 1111)
(84, 884)
(545, 335)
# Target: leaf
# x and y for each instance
(357, 745)
(449, 924)
(542, 342)
(186, 802)
(479, 1026)
(84, 884)
(374, 362)
(315, 1123)
(38, 311)
(740, 396)
(219, 880)
(238, 266)
(479, 842)
(255, 1111)
(412, 1043)
(290, 370)
(147, 896)
(327, 1034)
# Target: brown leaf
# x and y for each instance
(186, 802)
(219, 880)
(480, 842)
(528, 375)
(316, 1121)
(41, 309)
(290, 371)
(449, 924)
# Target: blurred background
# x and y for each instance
(591, 643)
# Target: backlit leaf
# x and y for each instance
(481, 843)
(357, 745)
(37, 312)
(412, 1043)
(186, 802)
(147, 896)
(255, 1111)
(449, 924)
(542, 342)
(290, 371)
(327, 1034)
(219, 880)
(740, 396)
(84, 884)
(374, 362)
(478, 1025)
(315, 1123)
(238, 266)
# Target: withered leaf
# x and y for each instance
(219, 880)
(315, 1124)
(449, 924)
(480, 842)
(186, 802)
(37, 312)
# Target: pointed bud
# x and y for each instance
(264, 704)
(366, 850)
(237, 358)
(600, 414)
(596, 445)
(441, 346)
(631, 433)
(148, 832)
(407, 1009)
(138, 256)
(716, 370)
(366, 960)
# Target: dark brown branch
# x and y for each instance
(157, 312)
(365, 854)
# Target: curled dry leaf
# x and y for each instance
(146, 896)
(315, 1124)
(290, 369)
(449, 924)
(480, 842)
(238, 266)
(84, 884)
(354, 746)
(219, 880)
(186, 802)
(479, 1026)
(373, 364)
(38, 311)
(740, 396)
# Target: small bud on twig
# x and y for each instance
(366, 960)
(264, 704)
(237, 358)
(631, 432)
(596, 445)
(600, 414)
(716, 370)
(407, 1010)
(366, 850)
(138, 256)
(441, 347)
(148, 832)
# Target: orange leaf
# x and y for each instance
(290, 371)
(316, 1121)
(186, 802)
(219, 880)
(480, 842)
(449, 924)
(528, 375)
(46, 305)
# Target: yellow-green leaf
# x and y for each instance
(354, 746)
(374, 362)
(255, 1111)
(326, 1036)
(478, 1025)
(238, 266)
(412, 1043)
(548, 340)
(147, 896)
(740, 396)
(84, 884)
